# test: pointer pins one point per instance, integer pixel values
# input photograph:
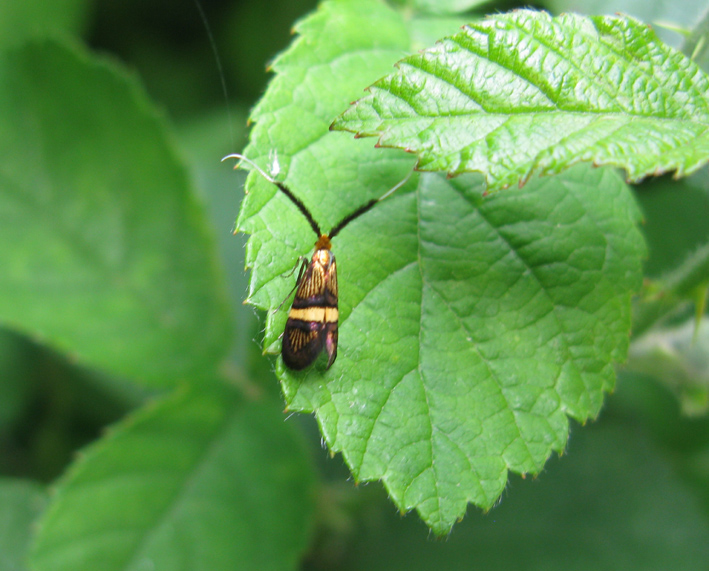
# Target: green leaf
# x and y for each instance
(201, 481)
(470, 326)
(523, 92)
(21, 502)
(20, 21)
(105, 251)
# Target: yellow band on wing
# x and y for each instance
(316, 314)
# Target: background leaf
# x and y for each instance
(112, 260)
(470, 327)
(21, 502)
(446, 6)
(524, 92)
(675, 222)
(20, 21)
(191, 482)
(658, 13)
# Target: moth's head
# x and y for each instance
(323, 243)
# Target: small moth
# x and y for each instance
(313, 317)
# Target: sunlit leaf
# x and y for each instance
(523, 92)
(471, 326)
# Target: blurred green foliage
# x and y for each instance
(643, 470)
(170, 46)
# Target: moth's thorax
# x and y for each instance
(319, 283)
(324, 257)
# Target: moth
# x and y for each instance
(313, 317)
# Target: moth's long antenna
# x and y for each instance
(283, 188)
(301, 207)
(364, 208)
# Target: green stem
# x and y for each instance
(675, 289)
(696, 43)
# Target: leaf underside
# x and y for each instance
(524, 92)
(471, 326)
